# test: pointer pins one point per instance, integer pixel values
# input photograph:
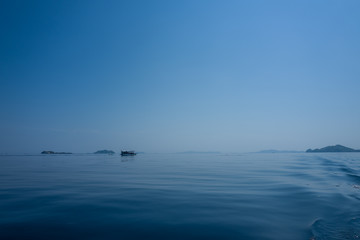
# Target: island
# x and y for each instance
(104, 152)
(52, 152)
(336, 148)
(279, 151)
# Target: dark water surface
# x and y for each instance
(180, 196)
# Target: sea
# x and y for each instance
(304, 196)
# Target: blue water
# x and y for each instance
(181, 196)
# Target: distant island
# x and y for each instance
(336, 148)
(104, 152)
(52, 152)
(279, 151)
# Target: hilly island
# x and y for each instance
(336, 148)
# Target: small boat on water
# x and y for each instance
(128, 153)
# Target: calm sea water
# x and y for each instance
(180, 196)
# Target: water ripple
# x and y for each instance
(248, 196)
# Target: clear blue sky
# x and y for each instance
(167, 76)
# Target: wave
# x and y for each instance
(336, 229)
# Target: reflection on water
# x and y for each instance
(181, 196)
(127, 158)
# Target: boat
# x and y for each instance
(128, 153)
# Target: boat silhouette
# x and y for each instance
(127, 153)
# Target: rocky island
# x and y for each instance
(336, 148)
(104, 152)
(52, 152)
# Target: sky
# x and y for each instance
(172, 76)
